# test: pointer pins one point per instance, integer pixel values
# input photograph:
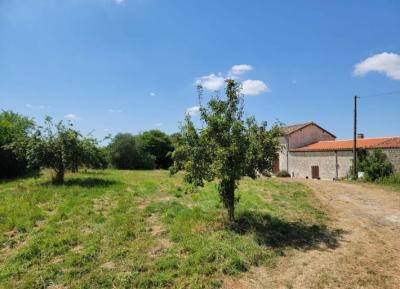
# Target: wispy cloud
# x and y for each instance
(294, 81)
(153, 94)
(34, 106)
(71, 116)
(158, 124)
(387, 63)
(249, 87)
(192, 111)
(239, 69)
(112, 110)
(119, 2)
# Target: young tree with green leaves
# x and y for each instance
(56, 146)
(374, 164)
(227, 148)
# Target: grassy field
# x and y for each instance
(139, 229)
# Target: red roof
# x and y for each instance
(345, 145)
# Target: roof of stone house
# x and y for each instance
(345, 145)
(288, 130)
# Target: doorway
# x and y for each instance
(315, 172)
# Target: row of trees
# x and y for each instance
(148, 150)
(27, 147)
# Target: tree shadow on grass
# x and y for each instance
(86, 182)
(276, 233)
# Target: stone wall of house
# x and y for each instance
(308, 135)
(300, 164)
(345, 161)
(331, 164)
(394, 157)
(282, 154)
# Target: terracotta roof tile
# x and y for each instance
(344, 145)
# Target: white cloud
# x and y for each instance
(111, 110)
(388, 63)
(239, 69)
(249, 87)
(192, 111)
(254, 87)
(120, 2)
(72, 116)
(153, 94)
(212, 81)
(158, 124)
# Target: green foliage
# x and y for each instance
(127, 152)
(159, 145)
(228, 147)
(14, 128)
(283, 174)
(60, 147)
(375, 165)
(391, 181)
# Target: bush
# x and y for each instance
(14, 128)
(159, 145)
(375, 165)
(283, 174)
(127, 153)
(393, 179)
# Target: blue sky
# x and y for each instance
(128, 66)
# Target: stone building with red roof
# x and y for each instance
(310, 151)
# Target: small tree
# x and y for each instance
(375, 165)
(56, 146)
(227, 148)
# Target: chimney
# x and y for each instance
(360, 135)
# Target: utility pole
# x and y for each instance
(355, 138)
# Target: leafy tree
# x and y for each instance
(375, 165)
(14, 128)
(227, 148)
(56, 146)
(93, 156)
(175, 139)
(127, 152)
(158, 144)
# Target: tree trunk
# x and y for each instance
(227, 194)
(59, 177)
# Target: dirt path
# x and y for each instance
(369, 252)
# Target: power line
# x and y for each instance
(381, 94)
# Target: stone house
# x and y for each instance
(310, 151)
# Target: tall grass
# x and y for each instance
(140, 229)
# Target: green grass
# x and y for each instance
(140, 229)
(392, 181)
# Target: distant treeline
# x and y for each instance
(26, 147)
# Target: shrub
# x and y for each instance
(14, 128)
(283, 174)
(375, 165)
(159, 145)
(127, 152)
